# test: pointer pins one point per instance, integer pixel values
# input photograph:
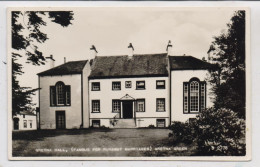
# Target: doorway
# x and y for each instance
(60, 120)
(16, 123)
(127, 109)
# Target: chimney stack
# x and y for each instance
(50, 60)
(93, 51)
(64, 60)
(169, 48)
(130, 50)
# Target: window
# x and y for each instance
(160, 103)
(53, 95)
(67, 94)
(160, 123)
(185, 101)
(116, 106)
(202, 96)
(95, 106)
(116, 85)
(194, 96)
(128, 84)
(25, 123)
(60, 95)
(140, 103)
(95, 86)
(96, 123)
(30, 123)
(160, 84)
(140, 85)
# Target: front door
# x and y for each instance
(127, 109)
(60, 120)
(16, 123)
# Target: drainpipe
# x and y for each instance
(81, 126)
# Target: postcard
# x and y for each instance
(129, 83)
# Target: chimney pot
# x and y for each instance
(130, 50)
(169, 48)
(50, 60)
(93, 51)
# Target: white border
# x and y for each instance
(255, 6)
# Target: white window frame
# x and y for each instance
(95, 107)
(116, 106)
(95, 86)
(128, 84)
(160, 107)
(140, 103)
(116, 85)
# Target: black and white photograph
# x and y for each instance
(129, 83)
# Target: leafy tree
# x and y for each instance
(21, 96)
(228, 79)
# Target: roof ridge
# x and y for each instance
(139, 54)
(76, 61)
(66, 67)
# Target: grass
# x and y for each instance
(97, 142)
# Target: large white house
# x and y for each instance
(125, 91)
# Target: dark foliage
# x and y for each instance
(229, 54)
(21, 96)
(220, 132)
(182, 132)
(151, 126)
(216, 133)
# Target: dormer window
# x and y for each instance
(60, 95)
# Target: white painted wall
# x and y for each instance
(86, 73)
(178, 77)
(72, 113)
(28, 118)
(106, 94)
(145, 122)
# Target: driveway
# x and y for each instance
(89, 142)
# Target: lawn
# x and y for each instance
(97, 142)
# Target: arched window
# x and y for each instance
(60, 94)
(194, 96)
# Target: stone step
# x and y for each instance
(124, 123)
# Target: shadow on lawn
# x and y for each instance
(41, 134)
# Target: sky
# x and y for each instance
(191, 31)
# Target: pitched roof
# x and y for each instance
(187, 63)
(124, 66)
(27, 113)
(72, 67)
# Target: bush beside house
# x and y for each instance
(215, 131)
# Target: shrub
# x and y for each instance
(182, 132)
(151, 126)
(220, 132)
(103, 127)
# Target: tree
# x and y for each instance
(228, 79)
(21, 96)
